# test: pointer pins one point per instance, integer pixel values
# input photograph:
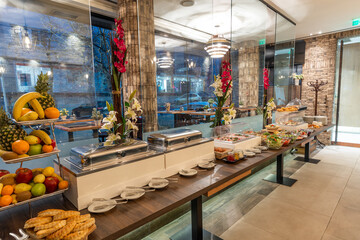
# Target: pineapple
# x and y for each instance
(42, 87)
(9, 132)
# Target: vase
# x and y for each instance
(97, 122)
(296, 81)
(221, 130)
(63, 117)
(117, 102)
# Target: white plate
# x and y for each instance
(249, 154)
(132, 194)
(158, 183)
(255, 150)
(188, 172)
(112, 204)
(206, 165)
(262, 148)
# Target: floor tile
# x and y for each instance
(329, 237)
(327, 169)
(247, 231)
(287, 220)
(354, 180)
(318, 201)
(319, 182)
(351, 198)
(344, 223)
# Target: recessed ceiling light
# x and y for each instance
(320, 32)
(187, 3)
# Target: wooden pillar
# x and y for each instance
(141, 69)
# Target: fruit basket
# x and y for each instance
(33, 199)
(24, 159)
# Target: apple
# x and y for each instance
(53, 143)
(35, 149)
(23, 175)
(3, 172)
(51, 184)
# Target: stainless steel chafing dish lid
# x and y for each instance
(173, 137)
(94, 151)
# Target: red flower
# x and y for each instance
(120, 52)
(266, 78)
(225, 76)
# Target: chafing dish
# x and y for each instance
(95, 155)
(176, 138)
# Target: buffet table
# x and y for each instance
(128, 217)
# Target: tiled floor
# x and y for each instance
(323, 204)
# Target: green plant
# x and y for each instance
(64, 112)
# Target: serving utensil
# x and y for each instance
(22, 237)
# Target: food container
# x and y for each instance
(309, 119)
(96, 155)
(286, 141)
(231, 157)
(322, 119)
(240, 154)
(274, 142)
(221, 153)
(174, 139)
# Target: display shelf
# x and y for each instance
(43, 155)
(35, 122)
(33, 199)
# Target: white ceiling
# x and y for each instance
(315, 16)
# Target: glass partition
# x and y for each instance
(284, 61)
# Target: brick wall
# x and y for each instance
(320, 64)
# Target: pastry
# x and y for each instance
(76, 235)
(62, 232)
(47, 232)
(85, 225)
(50, 225)
(37, 221)
(49, 212)
(79, 219)
(66, 214)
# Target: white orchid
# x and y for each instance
(136, 106)
(111, 118)
(227, 119)
(107, 126)
(131, 125)
(131, 114)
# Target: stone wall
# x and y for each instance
(248, 73)
(141, 69)
(320, 64)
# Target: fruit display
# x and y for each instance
(26, 183)
(60, 224)
(37, 142)
(9, 132)
(41, 102)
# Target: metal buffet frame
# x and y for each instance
(51, 123)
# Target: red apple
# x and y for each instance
(51, 184)
(23, 175)
(3, 172)
(53, 143)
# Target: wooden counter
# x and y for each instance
(127, 217)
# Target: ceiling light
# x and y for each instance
(311, 34)
(2, 70)
(187, 3)
(26, 40)
(217, 46)
(320, 32)
(165, 62)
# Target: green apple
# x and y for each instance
(35, 149)
(38, 189)
(32, 139)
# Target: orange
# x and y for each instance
(63, 184)
(7, 190)
(5, 200)
(52, 112)
(24, 111)
(20, 147)
(47, 148)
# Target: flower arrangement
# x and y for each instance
(269, 107)
(127, 123)
(298, 77)
(64, 112)
(119, 52)
(96, 115)
(167, 106)
(211, 102)
(223, 87)
(266, 82)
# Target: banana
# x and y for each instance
(37, 169)
(37, 108)
(19, 104)
(1, 187)
(42, 135)
(58, 177)
(2, 152)
(29, 116)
